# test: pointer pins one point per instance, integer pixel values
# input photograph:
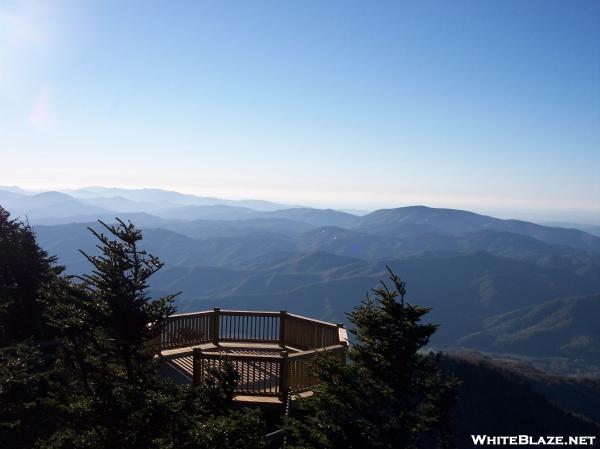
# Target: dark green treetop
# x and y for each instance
(391, 394)
(26, 275)
(120, 306)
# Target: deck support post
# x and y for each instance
(282, 319)
(215, 326)
(197, 366)
(283, 375)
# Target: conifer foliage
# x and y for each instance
(26, 273)
(120, 305)
(112, 391)
(28, 277)
(391, 394)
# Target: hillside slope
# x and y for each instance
(565, 327)
(494, 400)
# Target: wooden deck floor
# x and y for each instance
(269, 399)
(231, 347)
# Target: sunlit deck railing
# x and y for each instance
(278, 347)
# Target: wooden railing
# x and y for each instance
(267, 375)
(258, 374)
(301, 339)
(252, 327)
(300, 370)
(217, 325)
(307, 333)
(187, 329)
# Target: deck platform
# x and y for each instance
(270, 351)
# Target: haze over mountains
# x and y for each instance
(502, 286)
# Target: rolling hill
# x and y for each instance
(566, 327)
(415, 220)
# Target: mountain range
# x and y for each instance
(498, 286)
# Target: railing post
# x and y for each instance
(215, 325)
(283, 374)
(343, 337)
(282, 319)
(342, 334)
(197, 366)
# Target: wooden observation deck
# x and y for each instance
(271, 351)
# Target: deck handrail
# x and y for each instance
(217, 325)
(312, 352)
(244, 357)
(249, 312)
(312, 320)
(187, 314)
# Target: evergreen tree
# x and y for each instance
(391, 394)
(112, 394)
(131, 323)
(28, 277)
(26, 274)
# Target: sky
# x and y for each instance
(491, 106)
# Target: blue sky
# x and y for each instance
(492, 106)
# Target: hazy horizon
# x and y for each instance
(538, 216)
(485, 106)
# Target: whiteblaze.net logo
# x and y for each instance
(528, 440)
